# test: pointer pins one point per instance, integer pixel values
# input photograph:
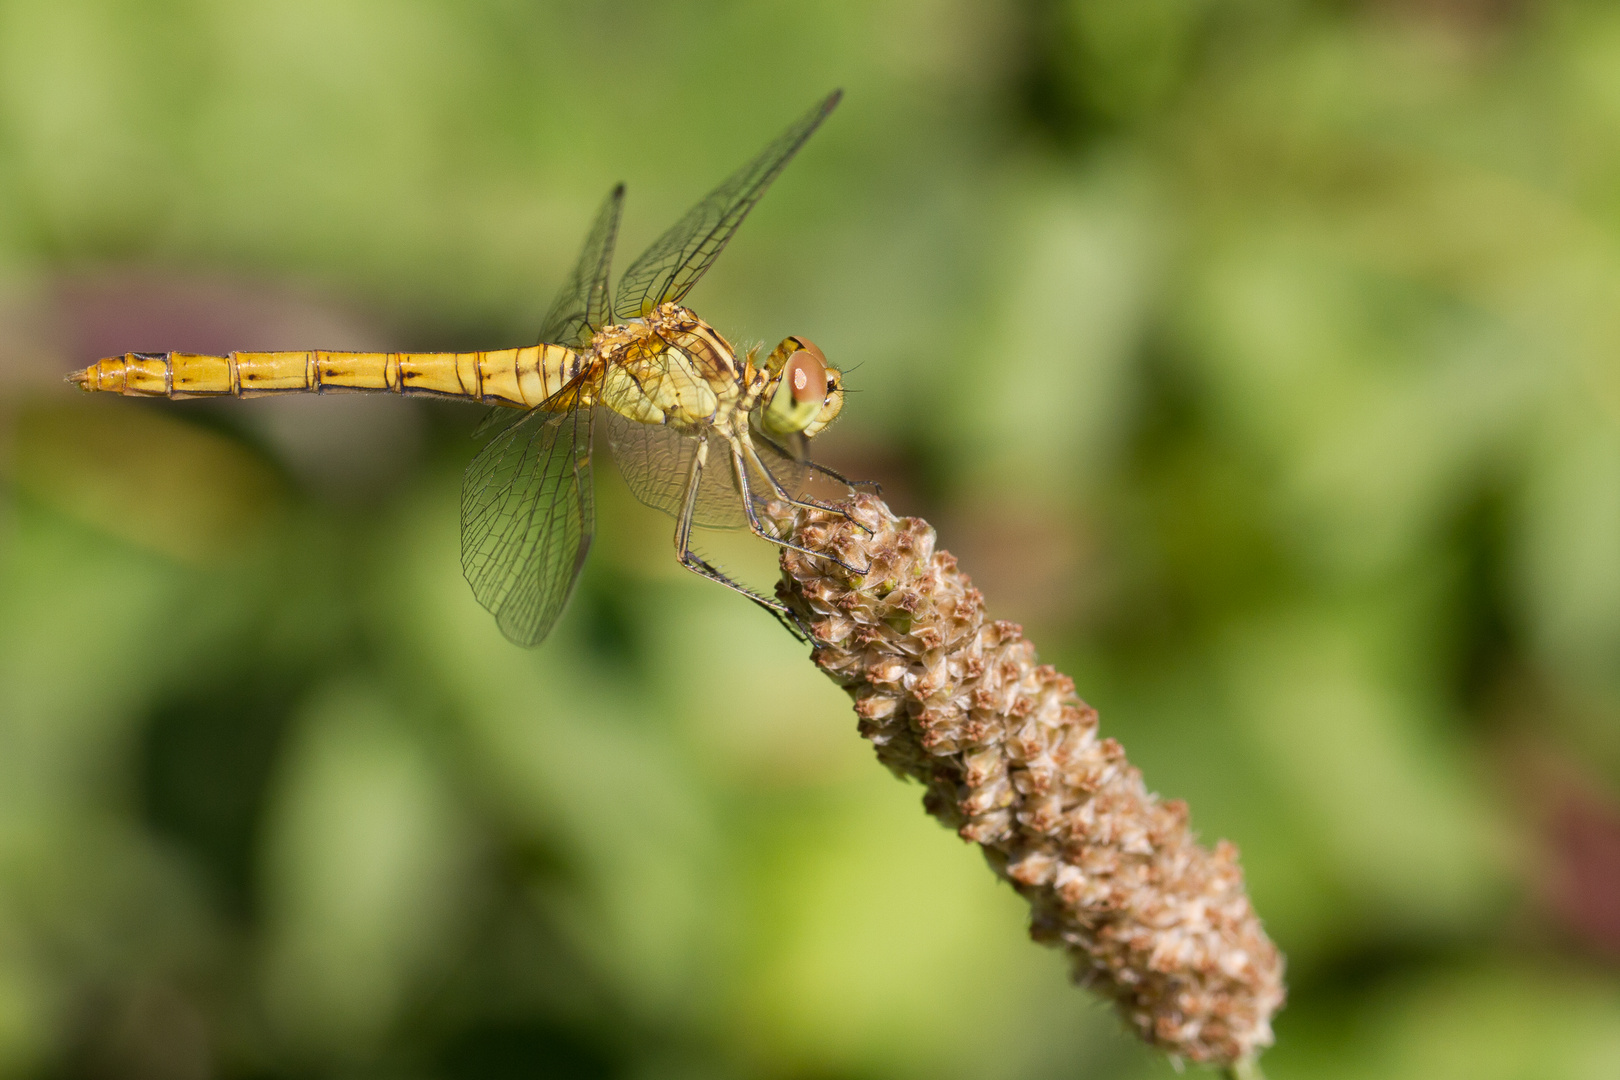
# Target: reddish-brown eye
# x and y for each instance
(806, 375)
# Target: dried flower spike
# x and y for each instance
(1012, 760)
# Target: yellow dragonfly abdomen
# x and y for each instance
(520, 378)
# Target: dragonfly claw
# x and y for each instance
(859, 524)
(841, 511)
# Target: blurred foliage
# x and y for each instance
(1259, 356)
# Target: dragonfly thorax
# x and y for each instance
(670, 368)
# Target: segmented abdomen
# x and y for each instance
(521, 378)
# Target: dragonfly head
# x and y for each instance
(802, 393)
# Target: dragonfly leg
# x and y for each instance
(780, 612)
(796, 500)
(702, 567)
(740, 470)
(875, 487)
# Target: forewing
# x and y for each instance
(667, 271)
(582, 306)
(527, 516)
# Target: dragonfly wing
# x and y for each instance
(655, 461)
(496, 416)
(667, 271)
(790, 467)
(527, 515)
(581, 306)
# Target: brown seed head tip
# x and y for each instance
(1010, 758)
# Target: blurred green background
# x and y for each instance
(1261, 357)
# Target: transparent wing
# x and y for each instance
(497, 416)
(792, 473)
(581, 306)
(526, 519)
(655, 460)
(668, 270)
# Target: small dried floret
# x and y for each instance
(1011, 760)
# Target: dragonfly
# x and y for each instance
(700, 430)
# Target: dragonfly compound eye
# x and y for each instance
(831, 405)
(806, 377)
(801, 389)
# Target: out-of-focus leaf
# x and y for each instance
(868, 929)
(1038, 410)
(1383, 784)
(24, 1015)
(366, 864)
(577, 760)
(1130, 54)
(1477, 1022)
(148, 479)
(1571, 571)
